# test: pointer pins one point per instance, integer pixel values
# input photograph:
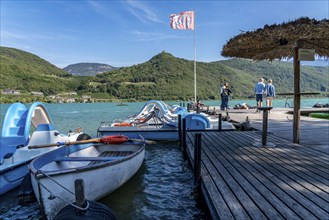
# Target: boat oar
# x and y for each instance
(117, 139)
(145, 141)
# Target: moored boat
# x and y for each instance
(159, 121)
(18, 124)
(104, 166)
(122, 104)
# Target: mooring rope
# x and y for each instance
(52, 196)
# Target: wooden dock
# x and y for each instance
(313, 132)
(241, 181)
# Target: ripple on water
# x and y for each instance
(161, 189)
(10, 209)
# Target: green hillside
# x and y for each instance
(163, 77)
(26, 72)
(167, 77)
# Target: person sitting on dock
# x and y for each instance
(259, 91)
(200, 105)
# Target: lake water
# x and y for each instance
(162, 187)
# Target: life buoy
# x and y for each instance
(115, 139)
(122, 124)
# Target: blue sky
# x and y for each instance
(124, 33)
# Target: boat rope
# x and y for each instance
(52, 196)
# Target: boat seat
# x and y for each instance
(87, 159)
(111, 154)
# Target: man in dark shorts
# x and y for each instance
(259, 91)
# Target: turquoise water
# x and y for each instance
(277, 103)
(162, 187)
(160, 190)
(89, 115)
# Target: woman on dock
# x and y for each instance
(270, 93)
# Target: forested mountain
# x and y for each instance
(167, 77)
(163, 77)
(88, 69)
(27, 72)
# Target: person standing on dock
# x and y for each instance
(259, 91)
(225, 93)
(221, 88)
(270, 93)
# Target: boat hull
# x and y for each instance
(14, 168)
(12, 177)
(154, 132)
(148, 132)
(100, 179)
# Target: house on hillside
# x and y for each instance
(68, 93)
(10, 92)
(70, 100)
(86, 98)
(37, 94)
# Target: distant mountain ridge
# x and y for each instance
(88, 69)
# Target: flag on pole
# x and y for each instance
(183, 20)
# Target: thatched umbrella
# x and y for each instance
(283, 41)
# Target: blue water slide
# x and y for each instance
(32, 117)
(14, 121)
(196, 122)
(17, 124)
(149, 105)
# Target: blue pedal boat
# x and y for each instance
(15, 156)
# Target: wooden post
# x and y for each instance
(264, 134)
(265, 125)
(184, 136)
(296, 125)
(197, 159)
(79, 193)
(180, 129)
(219, 121)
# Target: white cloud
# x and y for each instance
(143, 13)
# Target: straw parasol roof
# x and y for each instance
(283, 41)
(278, 41)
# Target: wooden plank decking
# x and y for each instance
(313, 132)
(240, 181)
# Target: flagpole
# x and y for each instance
(194, 62)
(186, 21)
